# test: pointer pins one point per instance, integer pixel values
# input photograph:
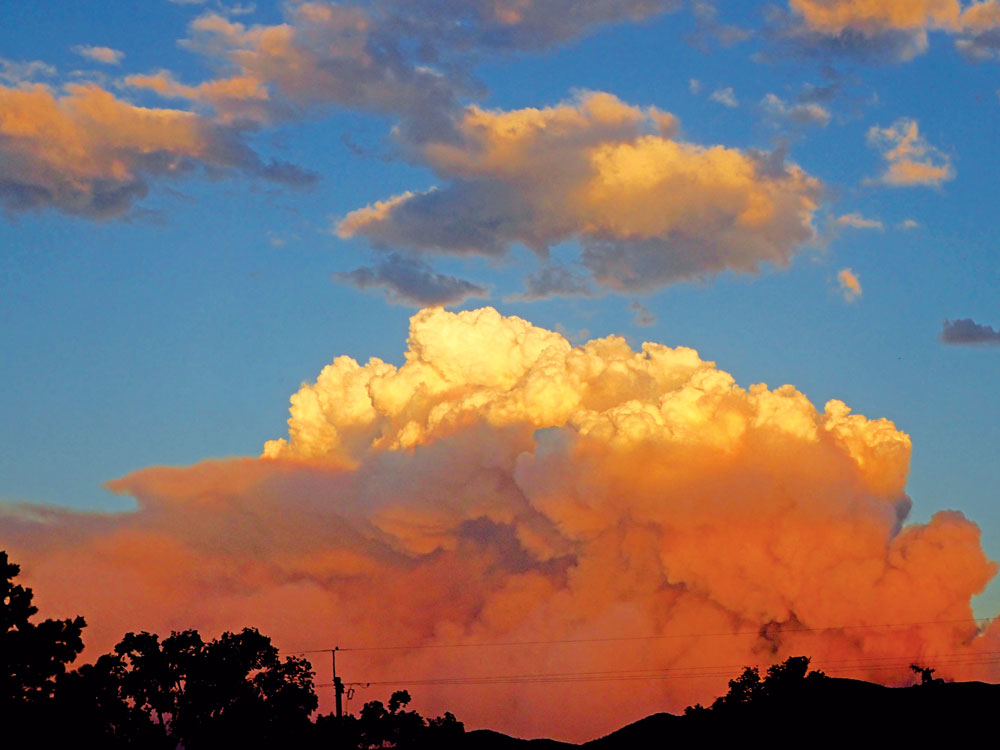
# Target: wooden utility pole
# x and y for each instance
(338, 686)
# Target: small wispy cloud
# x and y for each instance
(103, 55)
(804, 113)
(910, 159)
(554, 281)
(858, 221)
(969, 332)
(850, 284)
(644, 317)
(15, 73)
(726, 97)
(410, 281)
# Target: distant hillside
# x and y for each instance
(819, 713)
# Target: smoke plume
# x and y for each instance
(633, 510)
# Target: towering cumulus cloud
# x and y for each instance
(503, 486)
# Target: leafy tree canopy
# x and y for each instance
(32, 655)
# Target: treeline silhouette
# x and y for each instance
(177, 692)
(236, 691)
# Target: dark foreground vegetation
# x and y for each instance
(237, 692)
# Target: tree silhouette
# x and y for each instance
(233, 689)
(389, 726)
(782, 681)
(926, 675)
(32, 655)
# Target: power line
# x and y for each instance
(715, 670)
(680, 672)
(610, 639)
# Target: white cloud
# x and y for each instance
(805, 113)
(858, 221)
(725, 97)
(104, 55)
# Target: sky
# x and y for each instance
(205, 205)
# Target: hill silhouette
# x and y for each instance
(824, 712)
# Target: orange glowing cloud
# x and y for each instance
(649, 208)
(910, 159)
(850, 284)
(900, 27)
(504, 486)
(88, 152)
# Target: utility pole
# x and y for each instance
(338, 686)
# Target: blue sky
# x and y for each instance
(175, 327)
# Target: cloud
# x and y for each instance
(407, 58)
(410, 281)
(104, 55)
(837, 16)
(708, 28)
(981, 24)
(504, 486)
(908, 224)
(234, 100)
(643, 317)
(850, 284)
(857, 221)
(16, 73)
(725, 97)
(694, 86)
(649, 209)
(508, 25)
(968, 331)
(89, 153)
(895, 29)
(911, 160)
(804, 113)
(554, 281)
(325, 54)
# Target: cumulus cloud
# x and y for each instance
(503, 485)
(910, 159)
(968, 331)
(896, 29)
(104, 55)
(802, 113)
(87, 152)
(649, 209)
(908, 224)
(859, 221)
(410, 281)
(726, 97)
(850, 284)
